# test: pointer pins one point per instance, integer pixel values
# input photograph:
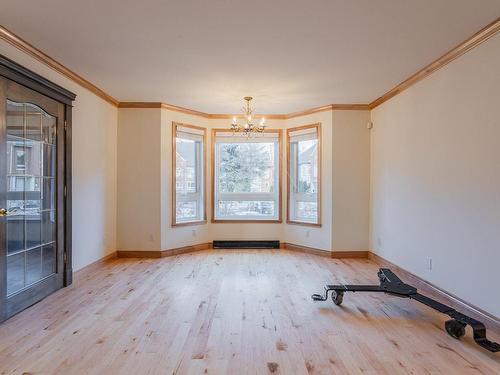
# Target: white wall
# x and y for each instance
(436, 177)
(351, 180)
(94, 165)
(139, 179)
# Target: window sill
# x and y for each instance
(189, 223)
(249, 221)
(304, 223)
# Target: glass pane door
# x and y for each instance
(31, 195)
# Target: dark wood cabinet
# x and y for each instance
(35, 187)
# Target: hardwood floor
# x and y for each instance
(231, 312)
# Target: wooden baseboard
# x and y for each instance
(307, 250)
(186, 249)
(97, 263)
(335, 254)
(138, 254)
(163, 253)
(491, 322)
(346, 254)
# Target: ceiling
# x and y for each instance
(206, 55)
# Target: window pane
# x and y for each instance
(246, 167)
(186, 211)
(189, 193)
(304, 179)
(307, 210)
(307, 166)
(241, 209)
(185, 172)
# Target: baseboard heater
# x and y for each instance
(246, 244)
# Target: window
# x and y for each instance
(188, 146)
(246, 176)
(304, 150)
(20, 160)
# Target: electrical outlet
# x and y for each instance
(193, 232)
(429, 264)
(379, 242)
(308, 233)
(151, 238)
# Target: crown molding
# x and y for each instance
(27, 48)
(480, 37)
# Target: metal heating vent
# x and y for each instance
(246, 244)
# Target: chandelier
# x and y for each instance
(248, 127)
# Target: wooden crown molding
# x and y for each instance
(223, 116)
(27, 48)
(481, 36)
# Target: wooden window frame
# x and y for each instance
(317, 126)
(280, 182)
(174, 177)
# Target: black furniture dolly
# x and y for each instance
(391, 284)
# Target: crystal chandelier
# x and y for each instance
(248, 127)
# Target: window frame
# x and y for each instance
(289, 220)
(203, 163)
(279, 220)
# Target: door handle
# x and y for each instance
(3, 212)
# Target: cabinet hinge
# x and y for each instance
(65, 125)
(65, 257)
(65, 191)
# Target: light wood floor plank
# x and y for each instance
(232, 312)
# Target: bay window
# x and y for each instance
(188, 174)
(246, 176)
(303, 145)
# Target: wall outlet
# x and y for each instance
(151, 238)
(308, 233)
(379, 242)
(428, 262)
(193, 232)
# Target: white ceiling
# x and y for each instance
(207, 54)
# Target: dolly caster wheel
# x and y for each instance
(337, 297)
(455, 328)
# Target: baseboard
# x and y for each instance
(350, 254)
(491, 322)
(163, 253)
(335, 254)
(138, 254)
(307, 250)
(95, 264)
(186, 249)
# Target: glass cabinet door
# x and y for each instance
(31, 183)
(32, 196)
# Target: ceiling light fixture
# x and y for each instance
(248, 127)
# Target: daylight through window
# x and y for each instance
(189, 174)
(246, 176)
(304, 174)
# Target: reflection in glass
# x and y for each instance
(33, 118)
(15, 272)
(48, 226)
(49, 160)
(48, 194)
(31, 194)
(48, 260)
(33, 265)
(49, 124)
